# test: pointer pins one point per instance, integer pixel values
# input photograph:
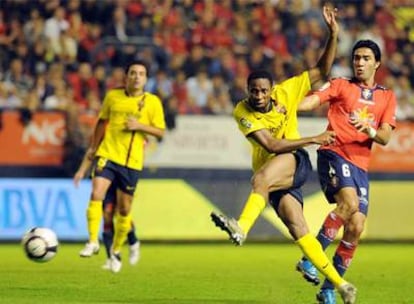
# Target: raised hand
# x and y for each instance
(329, 15)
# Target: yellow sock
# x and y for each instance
(122, 227)
(94, 217)
(251, 211)
(314, 252)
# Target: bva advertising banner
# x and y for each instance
(52, 203)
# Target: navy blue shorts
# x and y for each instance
(125, 178)
(336, 173)
(303, 168)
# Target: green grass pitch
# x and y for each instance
(199, 273)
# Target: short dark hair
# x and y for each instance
(259, 74)
(137, 62)
(368, 44)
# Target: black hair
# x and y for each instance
(137, 62)
(368, 44)
(259, 74)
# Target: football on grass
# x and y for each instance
(40, 244)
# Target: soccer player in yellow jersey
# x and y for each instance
(108, 208)
(128, 115)
(267, 117)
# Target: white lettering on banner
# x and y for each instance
(202, 142)
(205, 141)
(53, 203)
(22, 206)
(45, 132)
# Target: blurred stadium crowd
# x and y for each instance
(65, 54)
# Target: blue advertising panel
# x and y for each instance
(52, 203)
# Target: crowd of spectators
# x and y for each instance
(65, 54)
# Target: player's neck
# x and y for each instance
(369, 83)
(266, 109)
(133, 92)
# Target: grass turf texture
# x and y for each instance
(206, 273)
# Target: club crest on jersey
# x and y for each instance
(367, 96)
(245, 123)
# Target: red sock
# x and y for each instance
(329, 229)
(343, 256)
(341, 260)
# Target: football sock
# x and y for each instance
(312, 249)
(329, 229)
(342, 259)
(122, 226)
(251, 211)
(132, 238)
(94, 217)
(108, 236)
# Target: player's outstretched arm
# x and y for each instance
(97, 137)
(309, 103)
(273, 145)
(323, 67)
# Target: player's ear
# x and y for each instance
(377, 65)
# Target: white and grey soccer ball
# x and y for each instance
(40, 244)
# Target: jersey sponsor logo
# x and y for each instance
(363, 116)
(245, 123)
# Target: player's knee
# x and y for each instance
(260, 181)
(124, 209)
(347, 209)
(297, 230)
(97, 195)
(296, 223)
(355, 229)
(257, 180)
(352, 208)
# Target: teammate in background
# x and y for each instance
(127, 116)
(361, 113)
(267, 117)
(109, 205)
